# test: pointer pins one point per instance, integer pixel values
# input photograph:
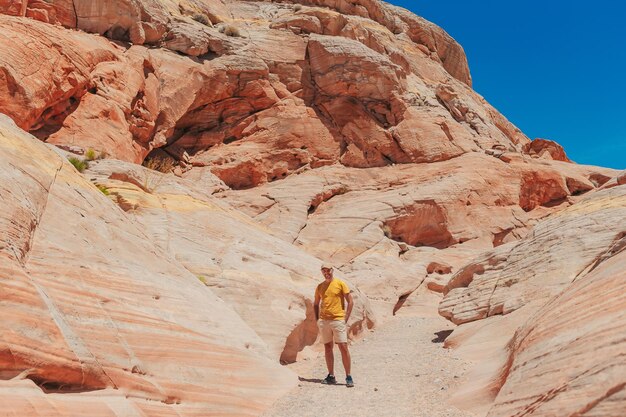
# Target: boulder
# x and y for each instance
(544, 148)
(13, 7)
(342, 67)
(40, 98)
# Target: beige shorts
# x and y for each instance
(333, 330)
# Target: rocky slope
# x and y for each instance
(555, 314)
(289, 134)
(97, 317)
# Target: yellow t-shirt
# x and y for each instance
(332, 294)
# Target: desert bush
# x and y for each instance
(90, 155)
(151, 181)
(103, 189)
(78, 163)
(230, 30)
(159, 163)
(162, 164)
(202, 18)
(297, 7)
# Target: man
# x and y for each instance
(332, 319)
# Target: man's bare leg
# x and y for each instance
(330, 358)
(345, 357)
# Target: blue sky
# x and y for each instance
(556, 69)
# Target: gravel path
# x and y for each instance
(400, 369)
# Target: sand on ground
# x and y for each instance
(399, 369)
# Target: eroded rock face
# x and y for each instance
(178, 23)
(435, 42)
(248, 65)
(384, 227)
(328, 130)
(35, 97)
(83, 84)
(107, 308)
(13, 7)
(552, 298)
(267, 281)
(338, 65)
(573, 349)
(506, 279)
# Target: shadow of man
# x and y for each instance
(314, 380)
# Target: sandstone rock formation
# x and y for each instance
(91, 306)
(543, 148)
(392, 102)
(267, 281)
(505, 279)
(561, 287)
(290, 134)
(403, 218)
(573, 349)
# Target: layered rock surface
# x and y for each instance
(326, 130)
(560, 290)
(277, 100)
(397, 221)
(91, 306)
(267, 281)
(538, 267)
(573, 349)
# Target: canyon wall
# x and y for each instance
(289, 134)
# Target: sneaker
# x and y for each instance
(329, 380)
(349, 381)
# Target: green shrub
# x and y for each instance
(103, 189)
(202, 279)
(90, 155)
(78, 163)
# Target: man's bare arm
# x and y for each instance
(349, 306)
(316, 306)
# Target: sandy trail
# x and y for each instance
(400, 369)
